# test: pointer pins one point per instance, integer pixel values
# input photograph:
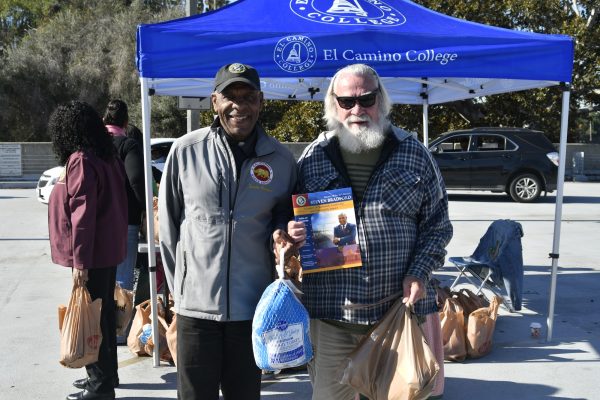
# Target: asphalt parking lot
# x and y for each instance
(519, 366)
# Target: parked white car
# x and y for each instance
(46, 183)
(159, 150)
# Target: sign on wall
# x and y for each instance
(10, 160)
(193, 103)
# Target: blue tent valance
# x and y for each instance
(297, 45)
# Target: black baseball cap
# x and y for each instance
(236, 72)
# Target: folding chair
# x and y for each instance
(496, 264)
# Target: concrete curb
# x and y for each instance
(18, 185)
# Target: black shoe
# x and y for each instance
(85, 395)
(82, 383)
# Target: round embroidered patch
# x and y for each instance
(261, 172)
(237, 68)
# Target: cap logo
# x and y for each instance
(261, 172)
(237, 68)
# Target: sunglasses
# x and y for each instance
(365, 100)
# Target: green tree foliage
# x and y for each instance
(87, 52)
(537, 109)
(58, 50)
(17, 17)
(293, 121)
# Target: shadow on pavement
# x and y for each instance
(480, 198)
(531, 351)
(149, 386)
(169, 382)
(491, 390)
(292, 385)
(579, 200)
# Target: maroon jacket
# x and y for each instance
(87, 213)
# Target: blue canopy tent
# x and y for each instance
(423, 57)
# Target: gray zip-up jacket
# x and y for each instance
(216, 227)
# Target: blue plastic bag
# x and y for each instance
(280, 329)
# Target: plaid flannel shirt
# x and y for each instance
(403, 228)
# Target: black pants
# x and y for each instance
(102, 374)
(213, 354)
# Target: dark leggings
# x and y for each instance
(213, 354)
(103, 374)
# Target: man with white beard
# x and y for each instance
(402, 223)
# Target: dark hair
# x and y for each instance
(135, 133)
(77, 126)
(116, 113)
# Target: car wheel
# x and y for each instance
(525, 188)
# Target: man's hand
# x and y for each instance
(80, 276)
(413, 289)
(281, 240)
(336, 240)
(297, 232)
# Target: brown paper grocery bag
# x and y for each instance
(123, 308)
(453, 331)
(393, 361)
(141, 318)
(480, 329)
(62, 310)
(172, 338)
(164, 349)
(81, 335)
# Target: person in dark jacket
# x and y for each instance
(116, 119)
(87, 223)
(135, 133)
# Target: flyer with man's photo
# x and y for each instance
(331, 230)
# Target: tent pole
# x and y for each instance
(425, 121)
(564, 123)
(193, 116)
(146, 111)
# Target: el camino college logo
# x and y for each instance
(295, 53)
(348, 12)
(300, 200)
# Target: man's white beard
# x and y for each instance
(359, 139)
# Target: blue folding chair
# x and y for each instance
(496, 264)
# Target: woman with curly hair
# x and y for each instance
(87, 221)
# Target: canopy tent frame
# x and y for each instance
(299, 88)
(490, 61)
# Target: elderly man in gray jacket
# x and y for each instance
(225, 197)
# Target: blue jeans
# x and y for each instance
(125, 269)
